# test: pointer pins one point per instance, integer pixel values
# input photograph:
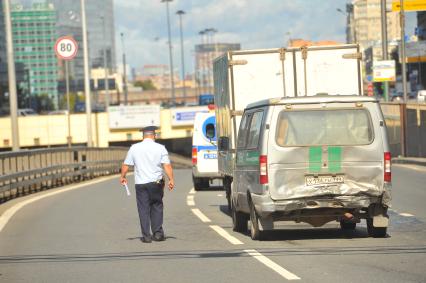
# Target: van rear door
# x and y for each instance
(333, 149)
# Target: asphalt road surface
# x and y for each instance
(91, 234)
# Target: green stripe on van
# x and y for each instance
(315, 157)
(334, 159)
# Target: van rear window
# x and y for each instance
(324, 127)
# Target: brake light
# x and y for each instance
(194, 156)
(387, 176)
(263, 166)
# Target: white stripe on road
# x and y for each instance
(406, 214)
(7, 215)
(192, 191)
(226, 235)
(200, 215)
(272, 265)
(190, 200)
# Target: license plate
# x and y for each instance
(324, 180)
(210, 156)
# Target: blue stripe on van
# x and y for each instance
(205, 147)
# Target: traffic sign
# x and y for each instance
(66, 47)
(409, 5)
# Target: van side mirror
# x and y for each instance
(223, 144)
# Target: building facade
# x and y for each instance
(364, 23)
(34, 36)
(205, 53)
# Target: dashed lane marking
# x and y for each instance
(220, 195)
(190, 200)
(7, 215)
(192, 191)
(226, 235)
(200, 215)
(406, 214)
(272, 265)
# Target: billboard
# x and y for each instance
(133, 116)
(185, 116)
(415, 51)
(384, 71)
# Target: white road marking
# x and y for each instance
(406, 214)
(226, 235)
(272, 265)
(192, 191)
(190, 200)
(200, 215)
(220, 195)
(7, 215)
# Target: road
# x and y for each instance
(91, 234)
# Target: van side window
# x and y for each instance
(242, 132)
(255, 127)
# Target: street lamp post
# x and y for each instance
(105, 66)
(384, 44)
(404, 66)
(172, 82)
(13, 97)
(180, 13)
(124, 70)
(202, 62)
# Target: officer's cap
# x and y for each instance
(149, 129)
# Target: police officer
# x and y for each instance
(149, 159)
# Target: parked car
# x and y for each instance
(26, 112)
(421, 96)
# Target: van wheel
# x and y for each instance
(347, 225)
(239, 220)
(200, 183)
(255, 232)
(375, 232)
(227, 188)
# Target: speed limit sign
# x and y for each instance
(66, 47)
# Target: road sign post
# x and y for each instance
(66, 49)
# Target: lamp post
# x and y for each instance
(384, 43)
(13, 97)
(172, 82)
(105, 66)
(124, 70)
(212, 32)
(202, 62)
(180, 13)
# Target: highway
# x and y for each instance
(91, 234)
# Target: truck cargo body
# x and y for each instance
(244, 77)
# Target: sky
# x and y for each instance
(253, 23)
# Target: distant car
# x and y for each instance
(421, 96)
(26, 112)
(58, 112)
(397, 96)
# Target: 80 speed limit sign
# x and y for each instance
(66, 47)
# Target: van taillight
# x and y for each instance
(194, 156)
(263, 166)
(388, 175)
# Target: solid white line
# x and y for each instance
(406, 214)
(200, 215)
(226, 235)
(192, 191)
(272, 265)
(190, 200)
(7, 215)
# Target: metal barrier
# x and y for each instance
(28, 171)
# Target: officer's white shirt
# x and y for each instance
(147, 158)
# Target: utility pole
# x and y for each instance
(181, 13)
(86, 76)
(106, 98)
(404, 65)
(384, 45)
(13, 96)
(172, 82)
(124, 70)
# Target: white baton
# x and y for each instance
(127, 189)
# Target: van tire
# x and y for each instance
(255, 232)
(344, 225)
(200, 183)
(239, 220)
(375, 232)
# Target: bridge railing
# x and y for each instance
(28, 171)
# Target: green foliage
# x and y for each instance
(44, 102)
(74, 98)
(145, 85)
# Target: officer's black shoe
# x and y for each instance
(158, 238)
(146, 240)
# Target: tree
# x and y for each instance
(74, 98)
(145, 85)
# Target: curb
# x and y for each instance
(413, 161)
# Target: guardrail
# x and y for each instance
(28, 171)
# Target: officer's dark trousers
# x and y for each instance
(149, 199)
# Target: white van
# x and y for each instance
(204, 151)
